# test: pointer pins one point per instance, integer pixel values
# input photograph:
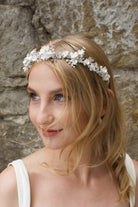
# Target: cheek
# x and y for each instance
(67, 119)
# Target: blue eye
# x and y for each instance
(34, 96)
(59, 97)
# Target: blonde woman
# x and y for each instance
(74, 107)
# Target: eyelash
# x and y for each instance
(32, 95)
(56, 97)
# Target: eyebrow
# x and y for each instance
(58, 90)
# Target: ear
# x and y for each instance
(104, 108)
(103, 112)
(111, 93)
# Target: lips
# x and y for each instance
(51, 132)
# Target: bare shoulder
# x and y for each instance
(136, 168)
(35, 159)
(135, 163)
(8, 188)
(8, 183)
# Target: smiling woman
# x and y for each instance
(46, 108)
(74, 107)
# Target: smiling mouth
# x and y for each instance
(51, 132)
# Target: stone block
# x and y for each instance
(17, 37)
(13, 102)
(17, 2)
(17, 141)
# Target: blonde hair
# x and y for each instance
(89, 92)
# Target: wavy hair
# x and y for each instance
(104, 136)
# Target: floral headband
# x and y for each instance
(72, 58)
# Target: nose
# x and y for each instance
(45, 116)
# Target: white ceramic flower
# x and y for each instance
(65, 54)
(72, 58)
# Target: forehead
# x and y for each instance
(43, 76)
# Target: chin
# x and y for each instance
(53, 146)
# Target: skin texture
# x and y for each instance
(85, 187)
(47, 106)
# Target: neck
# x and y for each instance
(83, 172)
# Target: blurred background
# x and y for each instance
(25, 24)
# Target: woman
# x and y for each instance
(74, 107)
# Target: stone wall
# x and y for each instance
(25, 24)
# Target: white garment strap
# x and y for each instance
(23, 184)
(132, 173)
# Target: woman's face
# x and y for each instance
(47, 106)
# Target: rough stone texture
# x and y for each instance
(18, 139)
(25, 24)
(18, 2)
(127, 89)
(112, 24)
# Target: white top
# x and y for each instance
(23, 184)
(131, 171)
